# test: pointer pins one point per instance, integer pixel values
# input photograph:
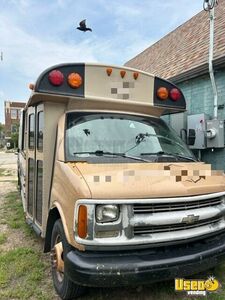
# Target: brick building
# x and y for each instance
(12, 117)
(182, 57)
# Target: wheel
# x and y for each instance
(65, 288)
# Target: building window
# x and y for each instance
(39, 191)
(30, 186)
(19, 113)
(40, 130)
(13, 113)
(31, 132)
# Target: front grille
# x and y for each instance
(155, 221)
(175, 227)
(177, 206)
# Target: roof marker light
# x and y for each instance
(74, 80)
(31, 86)
(175, 94)
(56, 77)
(122, 73)
(162, 93)
(135, 75)
(109, 71)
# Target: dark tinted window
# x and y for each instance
(30, 186)
(39, 191)
(31, 132)
(40, 130)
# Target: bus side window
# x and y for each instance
(31, 132)
(40, 128)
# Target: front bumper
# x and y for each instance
(104, 269)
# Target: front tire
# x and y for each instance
(65, 288)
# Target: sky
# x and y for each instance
(36, 34)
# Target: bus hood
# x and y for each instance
(148, 180)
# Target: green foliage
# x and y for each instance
(14, 215)
(5, 172)
(2, 128)
(15, 136)
(3, 238)
(21, 274)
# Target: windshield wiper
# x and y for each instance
(177, 155)
(183, 156)
(141, 137)
(102, 153)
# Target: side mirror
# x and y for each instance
(191, 137)
(183, 135)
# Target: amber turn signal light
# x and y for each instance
(74, 80)
(82, 222)
(162, 93)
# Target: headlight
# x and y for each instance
(107, 213)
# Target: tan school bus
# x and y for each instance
(116, 195)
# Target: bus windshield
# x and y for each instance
(99, 134)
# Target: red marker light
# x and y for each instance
(175, 94)
(56, 77)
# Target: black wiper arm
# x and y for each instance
(153, 153)
(184, 157)
(169, 154)
(102, 153)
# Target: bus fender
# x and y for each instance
(55, 213)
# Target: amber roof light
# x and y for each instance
(162, 93)
(74, 80)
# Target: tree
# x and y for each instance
(2, 128)
(15, 136)
(2, 134)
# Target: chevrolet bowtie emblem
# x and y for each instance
(190, 219)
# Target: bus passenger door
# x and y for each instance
(39, 165)
(31, 163)
(35, 166)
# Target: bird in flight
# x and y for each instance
(83, 26)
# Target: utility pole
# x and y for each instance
(209, 5)
(1, 56)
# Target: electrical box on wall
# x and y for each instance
(215, 133)
(196, 131)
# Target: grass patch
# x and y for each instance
(5, 172)
(22, 272)
(3, 238)
(13, 213)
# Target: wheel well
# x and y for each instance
(52, 218)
